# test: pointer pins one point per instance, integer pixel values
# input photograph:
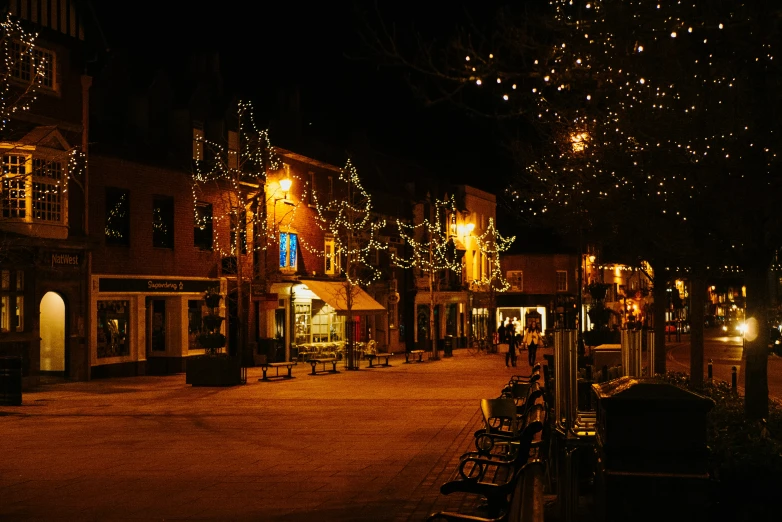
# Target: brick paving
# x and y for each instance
(373, 444)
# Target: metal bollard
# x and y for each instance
(733, 379)
(709, 370)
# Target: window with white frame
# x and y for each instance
(330, 257)
(29, 65)
(11, 301)
(561, 280)
(516, 280)
(32, 189)
(289, 244)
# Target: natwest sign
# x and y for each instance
(61, 259)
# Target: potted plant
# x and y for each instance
(213, 368)
(597, 290)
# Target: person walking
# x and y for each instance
(532, 340)
(510, 356)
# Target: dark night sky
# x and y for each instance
(280, 44)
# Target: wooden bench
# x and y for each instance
(420, 354)
(379, 356)
(314, 361)
(277, 366)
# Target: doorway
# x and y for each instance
(157, 326)
(52, 331)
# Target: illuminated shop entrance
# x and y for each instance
(52, 330)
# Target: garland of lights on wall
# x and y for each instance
(429, 244)
(491, 244)
(240, 177)
(350, 223)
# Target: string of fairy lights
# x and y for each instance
(492, 244)
(24, 69)
(353, 227)
(430, 247)
(237, 172)
(641, 96)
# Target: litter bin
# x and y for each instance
(448, 346)
(11, 380)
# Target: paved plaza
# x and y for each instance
(373, 444)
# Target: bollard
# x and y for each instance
(733, 380)
(710, 372)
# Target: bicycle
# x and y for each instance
(480, 346)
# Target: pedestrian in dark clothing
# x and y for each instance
(510, 356)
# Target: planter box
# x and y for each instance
(206, 370)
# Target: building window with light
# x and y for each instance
(516, 280)
(289, 243)
(561, 281)
(330, 257)
(202, 229)
(33, 65)
(32, 189)
(117, 223)
(11, 301)
(163, 222)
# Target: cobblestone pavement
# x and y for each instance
(373, 444)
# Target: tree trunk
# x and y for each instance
(660, 305)
(697, 304)
(755, 356)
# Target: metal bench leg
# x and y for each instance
(334, 367)
(290, 367)
(313, 368)
(264, 373)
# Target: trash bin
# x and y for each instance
(448, 346)
(11, 380)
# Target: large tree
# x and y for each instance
(351, 229)
(234, 176)
(676, 110)
(430, 250)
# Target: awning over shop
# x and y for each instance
(335, 294)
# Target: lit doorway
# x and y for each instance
(52, 331)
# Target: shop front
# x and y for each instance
(42, 312)
(451, 318)
(523, 311)
(319, 316)
(147, 325)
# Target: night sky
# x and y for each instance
(316, 47)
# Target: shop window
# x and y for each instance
(113, 328)
(11, 301)
(202, 230)
(289, 244)
(195, 314)
(516, 280)
(117, 227)
(561, 281)
(163, 222)
(302, 318)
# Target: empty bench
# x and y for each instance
(409, 354)
(379, 356)
(314, 361)
(277, 366)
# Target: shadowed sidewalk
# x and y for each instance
(373, 444)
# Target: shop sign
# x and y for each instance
(65, 259)
(156, 285)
